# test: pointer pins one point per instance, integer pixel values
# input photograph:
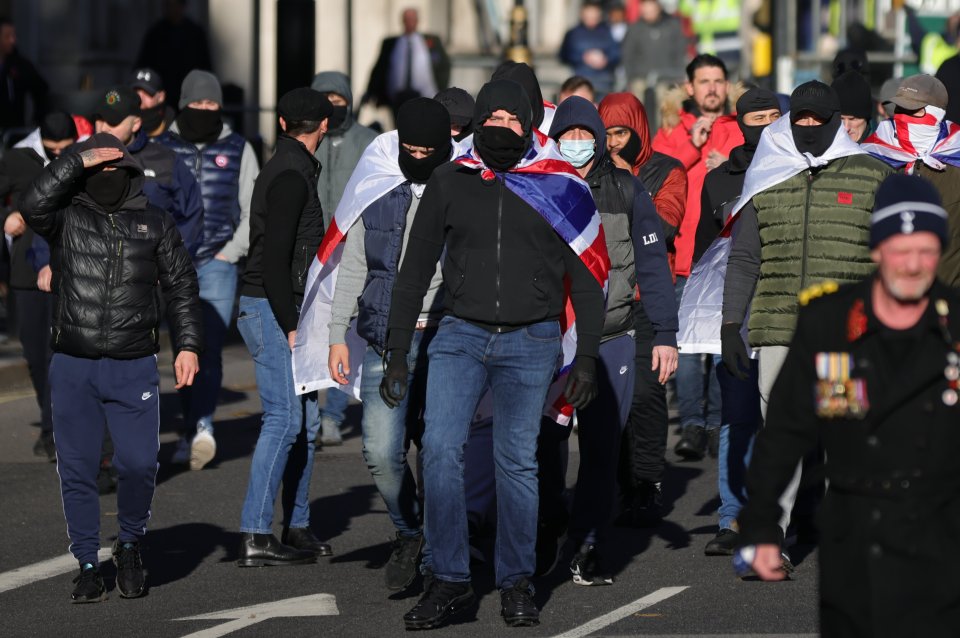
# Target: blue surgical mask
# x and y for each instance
(578, 152)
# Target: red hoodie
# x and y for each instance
(725, 135)
(664, 177)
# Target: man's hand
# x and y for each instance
(768, 563)
(581, 386)
(96, 156)
(44, 279)
(733, 351)
(595, 59)
(393, 386)
(221, 257)
(14, 224)
(186, 368)
(339, 363)
(665, 358)
(700, 132)
(619, 162)
(291, 339)
(714, 159)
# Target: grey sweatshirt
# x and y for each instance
(743, 266)
(352, 274)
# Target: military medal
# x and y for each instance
(950, 397)
(836, 394)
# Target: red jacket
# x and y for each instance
(724, 137)
(666, 180)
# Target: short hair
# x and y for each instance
(302, 127)
(575, 82)
(705, 60)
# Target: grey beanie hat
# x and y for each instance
(200, 85)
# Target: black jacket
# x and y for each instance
(504, 267)
(286, 226)
(721, 190)
(380, 75)
(890, 520)
(106, 266)
(18, 168)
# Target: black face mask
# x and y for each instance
(499, 147)
(751, 136)
(420, 170)
(109, 189)
(631, 149)
(152, 117)
(199, 126)
(464, 132)
(816, 139)
(50, 154)
(337, 119)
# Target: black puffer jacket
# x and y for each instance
(106, 265)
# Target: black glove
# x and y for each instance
(393, 387)
(581, 386)
(733, 351)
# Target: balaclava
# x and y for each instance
(821, 100)
(423, 122)
(499, 147)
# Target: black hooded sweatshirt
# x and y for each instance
(505, 265)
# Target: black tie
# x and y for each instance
(408, 69)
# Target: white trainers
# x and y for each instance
(203, 449)
(181, 455)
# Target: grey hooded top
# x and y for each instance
(340, 149)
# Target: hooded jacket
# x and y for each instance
(106, 266)
(341, 148)
(632, 231)
(664, 176)
(505, 266)
(725, 135)
(721, 190)
(18, 168)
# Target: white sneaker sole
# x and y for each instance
(202, 452)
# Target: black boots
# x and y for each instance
(262, 550)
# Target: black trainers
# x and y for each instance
(693, 443)
(90, 587)
(45, 447)
(586, 567)
(130, 576)
(402, 566)
(441, 600)
(723, 544)
(517, 606)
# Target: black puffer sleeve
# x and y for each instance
(178, 280)
(48, 194)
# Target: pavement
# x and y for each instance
(664, 586)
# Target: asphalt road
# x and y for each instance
(664, 584)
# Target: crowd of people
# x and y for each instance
(774, 258)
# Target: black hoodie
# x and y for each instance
(106, 265)
(505, 265)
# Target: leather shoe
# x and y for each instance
(517, 606)
(262, 550)
(303, 538)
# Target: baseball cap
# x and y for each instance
(117, 104)
(146, 79)
(816, 97)
(304, 104)
(919, 91)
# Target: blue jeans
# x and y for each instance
(517, 367)
(284, 449)
(218, 287)
(741, 420)
(335, 406)
(698, 393)
(387, 433)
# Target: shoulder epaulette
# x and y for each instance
(817, 290)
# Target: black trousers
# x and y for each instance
(34, 318)
(644, 445)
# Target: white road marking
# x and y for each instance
(44, 569)
(313, 605)
(619, 614)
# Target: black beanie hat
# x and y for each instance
(303, 104)
(906, 204)
(854, 93)
(849, 60)
(423, 122)
(58, 126)
(754, 100)
(816, 97)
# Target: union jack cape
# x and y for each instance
(902, 142)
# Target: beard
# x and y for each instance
(908, 290)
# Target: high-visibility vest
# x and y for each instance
(934, 50)
(716, 23)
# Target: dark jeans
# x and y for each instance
(517, 367)
(34, 318)
(741, 420)
(644, 444)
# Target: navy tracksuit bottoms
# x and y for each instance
(87, 395)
